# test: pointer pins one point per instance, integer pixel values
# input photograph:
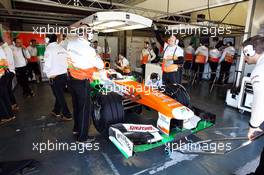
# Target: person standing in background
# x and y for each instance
(6, 113)
(33, 62)
(226, 60)
(172, 61)
(98, 49)
(200, 60)
(173, 58)
(214, 57)
(21, 56)
(55, 68)
(147, 55)
(188, 58)
(10, 73)
(156, 51)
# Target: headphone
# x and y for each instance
(249, 51)
(154, 76)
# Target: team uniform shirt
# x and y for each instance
(257, 80)
(20, 59)
(33, 51)
(55, 58)
(10, 57)
(82, 59)
(171, 54)
(64, 44)
(228, 54)
(189, 52)
(3, 62)
(147, 55)
(214, 55)
(201, 55)
(124, 63)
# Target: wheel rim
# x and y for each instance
(97, 111)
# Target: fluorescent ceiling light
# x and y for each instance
(115, 21)
(109, 30)
(131, 27)
(111, 24)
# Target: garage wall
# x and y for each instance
(258, 18)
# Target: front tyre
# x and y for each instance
(107, 110)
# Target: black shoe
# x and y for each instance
(88, 140)
(64, 118)
(54, 114)
(75, 132)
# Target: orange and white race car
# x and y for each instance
(113, 94)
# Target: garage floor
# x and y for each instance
(33, 125)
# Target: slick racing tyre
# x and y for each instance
(107, 110)
(178, 92)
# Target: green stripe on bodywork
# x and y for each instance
(201, 126)
(117, 144)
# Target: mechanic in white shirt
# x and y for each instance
(253, 49)
(200, 59)
(121, 63)
(21, 56)
(214, 57)
(10, 73)
(6, 113)
(188, 58)
(82, 63)
(173, 59)
(98, 49)
(147, 55)
(55, 67)
(33, 62)
(226, 60)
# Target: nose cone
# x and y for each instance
(190, 120)
(182, 113)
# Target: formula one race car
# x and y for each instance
(113, 94)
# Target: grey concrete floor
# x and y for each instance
(34, 125)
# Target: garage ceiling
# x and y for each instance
(183, 6)
(66, 12)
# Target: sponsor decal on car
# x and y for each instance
(140, 128)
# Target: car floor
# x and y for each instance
(34, 125)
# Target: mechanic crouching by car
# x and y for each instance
(82, 63)
(253, 49)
